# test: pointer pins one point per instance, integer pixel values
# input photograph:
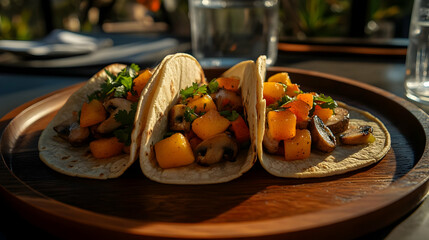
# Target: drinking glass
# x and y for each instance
(417, 62)
(225, 32)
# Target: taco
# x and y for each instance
(90, 136)
(308, 134)
(199, 132)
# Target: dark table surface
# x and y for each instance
(20, 84)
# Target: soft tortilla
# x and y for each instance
(59, 155)
(343, 159)
(179, 72)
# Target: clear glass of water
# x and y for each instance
(225, 32)
(417, 63)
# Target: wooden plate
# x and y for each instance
(257, 205)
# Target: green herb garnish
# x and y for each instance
(127, 121)
(230, 115)
(213, 86)
(190, 114)
(325, 101)
(193, 91)
(118, 86)
(285, 99)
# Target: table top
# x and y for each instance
(19, 85)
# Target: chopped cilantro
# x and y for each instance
(123, 135)
(135, 67)
(298, 92)
(285, 99)
(278, 105)
(193, 90)
(127, 120)
(118, 86)
(230, 115)
(213, 86)
(325, 101)
(190, 114)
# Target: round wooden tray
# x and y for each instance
(257, 205)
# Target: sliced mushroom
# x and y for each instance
(176, 118)
(321, 136)
(117, 103)
(73, 133)
(78, 135)
(356, 135)
(63, 131)
(113, 105)
(216, 149)
(270, 144)
(228, 100)
(339, 121)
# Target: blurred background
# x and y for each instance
(300, 20)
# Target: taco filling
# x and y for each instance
(105, 120)
(206, 126)
(299, 122)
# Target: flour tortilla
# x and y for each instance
(179, 72)
(344, 158)
(59, 155)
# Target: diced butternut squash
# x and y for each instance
(92, 113)
(281, 124)
(141, 80)
(273, 91)
(139, 83)
(292, 90)
(210, 124)
(229, 83)
(106, 147)
(298, 147)
(323, 113)
(240, 130)
(202, 104)
(282, 77)
(174, 151)
(306, 97)
(300, 108)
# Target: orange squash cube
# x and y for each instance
(273, 91)
(240, 130)
(281, 124)
(282, 77)
(174, 151)
(141, 80)
(292, 90)
(210, 124)
(106, 147)
(139, 83)
(92, 113)
(229, 83)
(202, 104)
(323, 113)
(306, 97)
(298, 147)
(300, 108)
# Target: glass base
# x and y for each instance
(419, 99)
